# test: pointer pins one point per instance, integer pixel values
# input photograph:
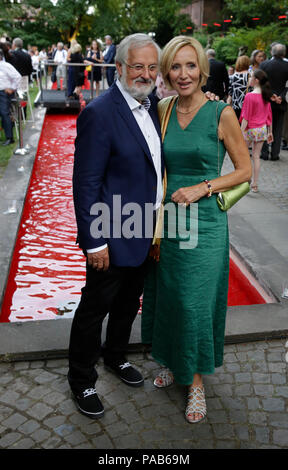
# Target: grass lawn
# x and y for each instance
(7, 152)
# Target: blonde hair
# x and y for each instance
(75, 47)
(242, 63)
(171, 49)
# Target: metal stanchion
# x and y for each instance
(21, 150)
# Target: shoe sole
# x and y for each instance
(132, 384)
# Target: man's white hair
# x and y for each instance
(134, 41)
(278, 50)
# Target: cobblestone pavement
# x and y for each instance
(272, 180)
(247, 401)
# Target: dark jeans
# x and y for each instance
(110, 75)
(277, 126)
(5, 102)
(116, 291)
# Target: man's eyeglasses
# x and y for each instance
(140, 68)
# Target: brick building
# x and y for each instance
(204, 11)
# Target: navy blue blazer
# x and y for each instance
(109, 57)
(113, 158)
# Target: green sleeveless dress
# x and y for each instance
(185, 293)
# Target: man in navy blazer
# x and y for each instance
(117, 186)
(109, 56)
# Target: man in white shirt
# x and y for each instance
(117, 153)
(60, 58)
(10, 80)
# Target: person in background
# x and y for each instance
(256, 120)
(277, 71)
(75, 73)
(60, 58)
(95, 56)
(231, 70)
(218, 80)
(10, 80)
(23, 61)
(257, 57)
(238, 86)
(109, 56)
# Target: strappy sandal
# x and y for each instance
(164, 379)
(254, 188)
(196, 404)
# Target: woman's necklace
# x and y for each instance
(190, 110)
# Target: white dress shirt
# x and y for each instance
(9, 76)
(152, 138)
(106, 50)
(60, 56)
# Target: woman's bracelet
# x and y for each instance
(210, 191)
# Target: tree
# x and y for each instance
(243, 12)
(43, 22)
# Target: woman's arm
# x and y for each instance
(229, 131)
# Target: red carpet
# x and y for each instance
(48, 270)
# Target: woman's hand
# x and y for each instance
(190, 194)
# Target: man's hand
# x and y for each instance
(277, 99)
(99, 260)
(9, 91)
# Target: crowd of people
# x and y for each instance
(256, 88)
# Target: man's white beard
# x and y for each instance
(134, 91)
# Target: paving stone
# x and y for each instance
(9, 439)
(244, 390)
(39, 411)
(257, 417)
(237, 416)
(222, 431)
(25, 443)
(273, 404)
(246, 401)
(102, 442)
(131, 441)
(75, 438)
(278, 379)
(218, 416)
(54, 398)
(280, 437)
(223, 390)
(9, 397)
(278, 420)
(261, 378)
(14, 421)
(262, 434)
(253, 403)
(241, 431)
(29, 427)
(264, 390)
(40, 435)
(281, 391)
(243, 377)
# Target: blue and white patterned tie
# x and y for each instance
(146, 103)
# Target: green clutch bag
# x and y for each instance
(228, 198)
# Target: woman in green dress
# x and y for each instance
(185, 294)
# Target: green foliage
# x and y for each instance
(89, 19)
(266, 10)
(227, 47)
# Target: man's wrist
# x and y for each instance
(94, 250)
